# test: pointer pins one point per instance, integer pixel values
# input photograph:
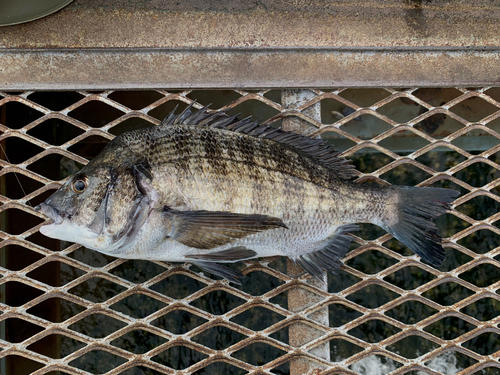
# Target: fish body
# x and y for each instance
(208, 189)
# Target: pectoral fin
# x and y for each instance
(229, 255)
(210, 229)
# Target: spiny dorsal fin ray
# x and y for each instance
(314, 148)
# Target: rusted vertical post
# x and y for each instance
(299, 299)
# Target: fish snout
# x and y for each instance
(50, 211)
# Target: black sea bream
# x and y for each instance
(206, 188)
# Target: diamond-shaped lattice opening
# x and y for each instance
(448, 293)
(410, 277)
(365, 126)
(18, 330)
(340, 314)
(97, 325)
(138, 341)
(97, 290)
(332, 110)
(95, 113)
(55, 167)
(137, 271)
(17, 294)
(15, 364)
(13, 182)
(218, 302)
(481, 241)
(56, 346)
(454, 258)
(133, 123)
(412, 346)
(163, 110)
(92, 258)
(281, 299)
(220, 368)
(97, 362)
(368, 160)
(434, 125)
(405, 174)
(89, 147)
(374, 330)
(218, 99)
(55, 131)
(450, 362)
(441, 161)
(18, 150)
(20, 221)
(342, 349)
(485, 344)
(179, 357)
(139, 370)
(449, 224)
(474, 109)
(257, 318)
(340, 281)
(371, 262)
(55, 100)
(411, 312)
(18, 257)
(219, 337)
(56, 310)
(478, 174)
(364, 97)
(56, 273)
(258, 354)
(372, 296)
(403, 142)
(138, 306)
(483, 309)
(259, 283)
(339, 142)
(402, 113)
(449, 328)
(178, 322)
(369, 232)
(135, 99)
(18, 114)
(366, 365)
(479, 208)
(255, 108)
(483, 275)
(437, 96)
(282, 335)
(178, 286)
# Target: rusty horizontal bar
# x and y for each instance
(45, 69)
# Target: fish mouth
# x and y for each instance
(53, 213)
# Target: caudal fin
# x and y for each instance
(414, 227)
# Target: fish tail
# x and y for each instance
(412, 222)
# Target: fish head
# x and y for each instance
(95, 207)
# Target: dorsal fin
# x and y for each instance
(314, 148)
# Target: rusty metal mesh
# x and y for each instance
(136, 317)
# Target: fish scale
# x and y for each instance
(208, 189)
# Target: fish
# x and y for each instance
(210, 189)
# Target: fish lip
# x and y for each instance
(52, 212)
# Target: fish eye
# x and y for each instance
(80, 184)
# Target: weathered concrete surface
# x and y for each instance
(287, 43)
(267, 23)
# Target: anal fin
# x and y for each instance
(328, 258)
